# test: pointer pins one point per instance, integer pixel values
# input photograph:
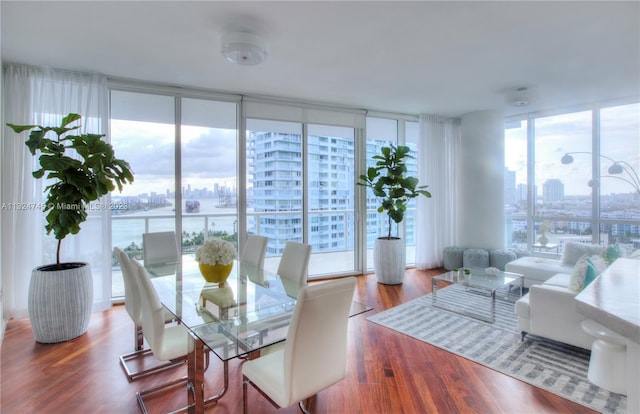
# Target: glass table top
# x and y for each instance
(479, 278)
(251, 310)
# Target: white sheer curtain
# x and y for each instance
(43, 96)
(435, 216)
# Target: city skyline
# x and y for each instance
(560, 134)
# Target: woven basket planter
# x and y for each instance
(60, 301)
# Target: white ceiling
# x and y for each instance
(442, 58)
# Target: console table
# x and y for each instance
(613, 300)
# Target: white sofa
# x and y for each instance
(537, 270)
(548, 310)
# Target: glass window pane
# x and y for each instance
(619, 166)
(515, 184)
(331, 183)
(563, 190)
(412, 139)
(209, 165)
(380, 133)
(143, 133)
(274, 184)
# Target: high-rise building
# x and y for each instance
(509, 187)
(552, 190)
(275, 170)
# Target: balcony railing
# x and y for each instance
(127, 233)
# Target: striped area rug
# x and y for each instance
(552, 366)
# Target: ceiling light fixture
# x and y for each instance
(244, 48)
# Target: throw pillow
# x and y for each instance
(579, 274)
(598, 262)
(611, 253)
(591, 275)
(572, 251)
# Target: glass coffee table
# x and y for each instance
(480, 282)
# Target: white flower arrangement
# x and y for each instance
(216, 251)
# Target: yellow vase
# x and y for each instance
(216, 273)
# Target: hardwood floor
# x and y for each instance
(387, 372)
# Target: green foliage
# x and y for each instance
(389, 183)
(75, 182)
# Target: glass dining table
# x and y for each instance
(249, 311)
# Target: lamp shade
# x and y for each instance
(243, 48)
(566, 159)
(615, 168)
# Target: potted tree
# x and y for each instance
(61, 294)
(390, 184)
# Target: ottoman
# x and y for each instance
(475, 258)
(499, 258)
(453, 257)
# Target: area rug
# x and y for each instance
(552, 366)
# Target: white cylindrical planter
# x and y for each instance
(60, 301)
(389, 260)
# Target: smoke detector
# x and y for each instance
(518, 97)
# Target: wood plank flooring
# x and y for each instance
(387, 372)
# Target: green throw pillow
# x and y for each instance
(591, 275)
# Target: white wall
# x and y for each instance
(480, 181)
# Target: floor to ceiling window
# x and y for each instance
(184, 166)
(302, 173)
(412, 140)
(274, 166)
(331, 172)
(143, 133)
(381, 132)
(515, 184)
(208, 160)
(295, 179)
(619, 168)
(580, 168)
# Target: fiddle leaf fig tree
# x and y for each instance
(390, 184)
(72, 182)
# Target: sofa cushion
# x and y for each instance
(559, 279)
(537, 269)
(572, 251)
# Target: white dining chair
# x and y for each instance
(294, 263)
(254, 251)
(159, 247)
(168, 342)
(314, 356)
(133, 306)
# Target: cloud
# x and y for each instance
(208, 155)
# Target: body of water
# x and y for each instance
(128, 228)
